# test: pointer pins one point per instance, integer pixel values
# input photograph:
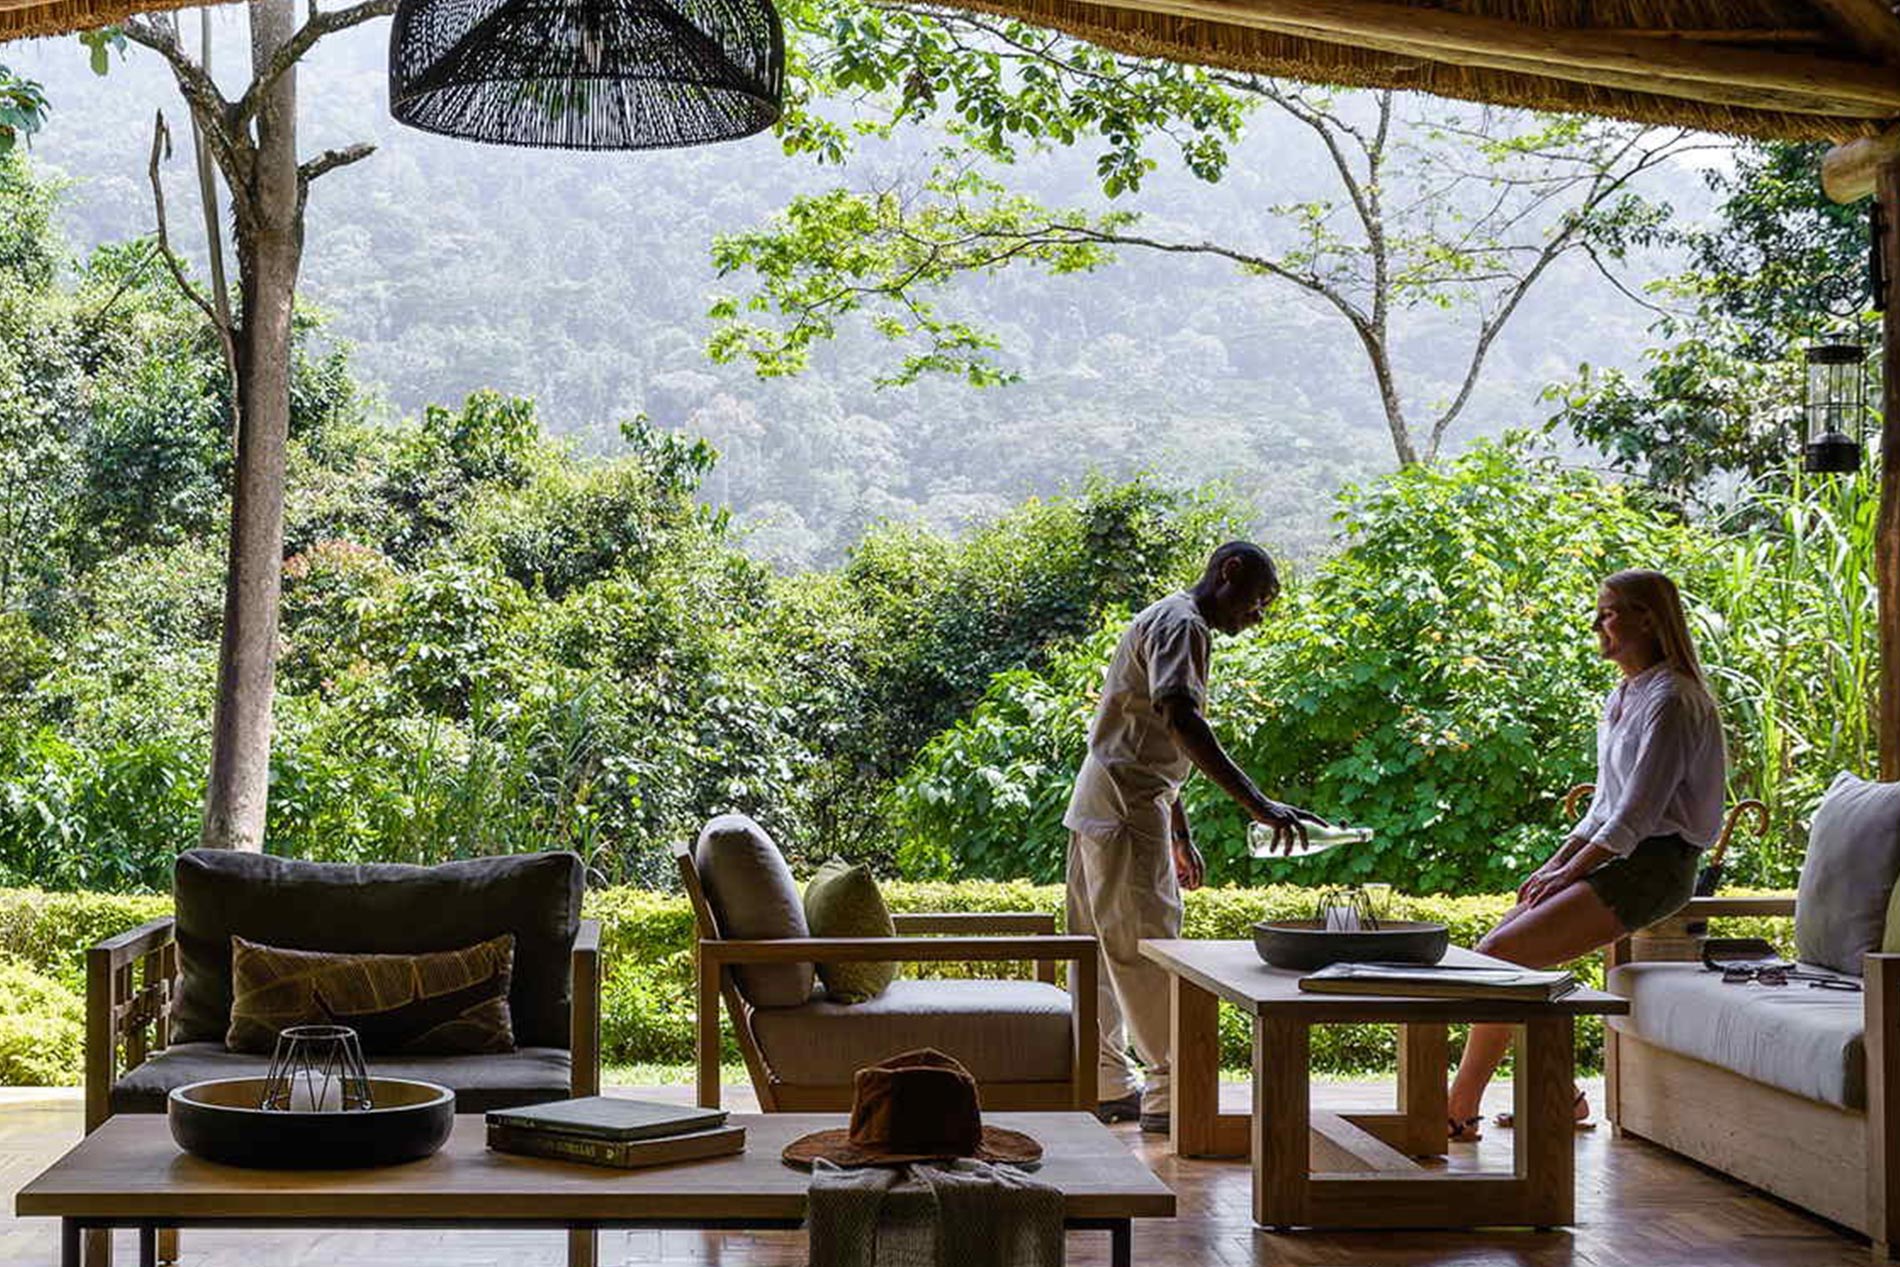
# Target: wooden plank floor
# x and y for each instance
(1637, 1207)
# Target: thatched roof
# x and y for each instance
(1779, 69)
(1793, 69)
(26, 19)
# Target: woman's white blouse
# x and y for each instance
(1660, 764)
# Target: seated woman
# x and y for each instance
(1658, 804)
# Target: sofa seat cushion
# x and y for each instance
(505, 1080)
(1001, 1031)
(1801, 1040)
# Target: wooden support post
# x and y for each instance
(1423, 1065)
(1281, 1117)
(1882, 977)
(706, 1026)
(1546, 1138)
(1887, 543)
(1194, 1059)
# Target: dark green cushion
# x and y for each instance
(440, 1002)
(376, 908)
(843, 901)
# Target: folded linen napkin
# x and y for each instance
(960, 1213)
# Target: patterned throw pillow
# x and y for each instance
(448, 1002)
(843, 901)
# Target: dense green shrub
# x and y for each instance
(1436, 680)
(646, 942)
(42, 1028)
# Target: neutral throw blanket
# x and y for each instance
(939, 1214)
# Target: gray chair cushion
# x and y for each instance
(379, 908)
(527, 1075)
(752, 896)
(1853, 856)
(1002, 1031)
(1809, 1042)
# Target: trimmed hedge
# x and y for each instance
(646, 941)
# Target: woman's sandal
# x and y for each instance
(1508, 1120)
(1464, 1132)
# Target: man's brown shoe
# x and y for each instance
(1126, 1109)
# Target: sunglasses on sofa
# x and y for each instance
(1741, 974)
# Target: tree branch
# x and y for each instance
(319, 24)
(161, 148)
(330, 160)
(207, 104)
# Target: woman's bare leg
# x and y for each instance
(1557, 930)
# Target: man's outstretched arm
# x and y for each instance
(1197, 740)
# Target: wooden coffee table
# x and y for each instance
(1359, 1169)
(128, 1173)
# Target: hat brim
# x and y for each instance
(1000, 1146)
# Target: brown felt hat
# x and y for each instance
(920, 1106)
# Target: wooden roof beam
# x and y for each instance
(1849, 172)
(1872, 24)
(1747, 77)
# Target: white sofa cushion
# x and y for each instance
(1853, 858)
(1802, 1040)
(1001, 1031)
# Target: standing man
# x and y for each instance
(1130, 853)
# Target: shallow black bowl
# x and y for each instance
(220, 1121)
(1304, 945)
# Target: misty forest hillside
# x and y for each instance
(584, 280)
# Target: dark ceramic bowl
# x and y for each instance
(1304, 945)
(220, 1121)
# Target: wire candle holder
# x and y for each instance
(1345, 909)
(316, 1069)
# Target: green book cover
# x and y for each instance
(610, 1118)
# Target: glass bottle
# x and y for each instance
(1319, 838)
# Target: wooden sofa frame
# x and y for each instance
(1842, 1165)
(132, 988)
(976, 937)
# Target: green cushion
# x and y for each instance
(1890, 935)
(843, 901)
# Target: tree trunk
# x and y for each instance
(1887, 548)
(270, 248)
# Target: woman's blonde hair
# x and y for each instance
(1655, 595)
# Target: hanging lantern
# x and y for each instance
(587, 74)
(1836, 408)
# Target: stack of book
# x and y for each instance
(609, 1131)
(1440, 981)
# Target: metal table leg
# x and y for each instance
(1121, 1243)
(69, 1238)
(148, 1245)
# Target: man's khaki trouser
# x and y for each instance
(1122, 889)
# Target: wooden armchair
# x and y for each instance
(794, 1086)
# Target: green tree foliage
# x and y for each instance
(489, 641)
(1436, 681)
(1434, 223)
(23, 108)
(1719, 402)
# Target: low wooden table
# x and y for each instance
(128, 1173)
(1359, 1169)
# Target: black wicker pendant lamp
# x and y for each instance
(587, 74)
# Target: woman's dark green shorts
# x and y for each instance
(1652, 883)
